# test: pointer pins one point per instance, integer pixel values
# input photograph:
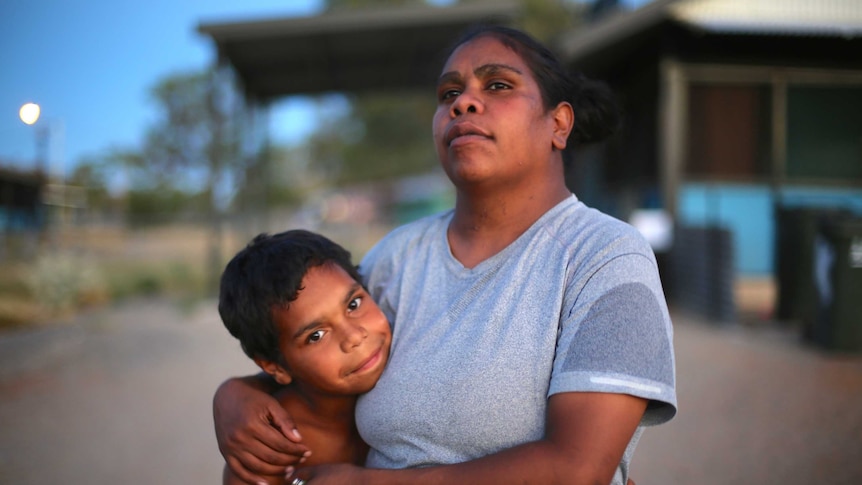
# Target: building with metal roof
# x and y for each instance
(379, 49)
(737, 111)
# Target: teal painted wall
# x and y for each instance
(748, 211)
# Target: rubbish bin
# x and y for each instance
(702, 271)
(838, 282)
(796, 231)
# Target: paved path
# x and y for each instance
(756, 407)
(123, 396)
(120, 397)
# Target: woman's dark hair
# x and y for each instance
(597, 114)
(266, 274)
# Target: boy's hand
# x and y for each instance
(255, 434)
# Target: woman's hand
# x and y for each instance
(335, 474)
(255, 434)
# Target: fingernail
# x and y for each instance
(288, 472)
(296, 433)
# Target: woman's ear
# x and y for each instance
(564, 121)
(278, 372)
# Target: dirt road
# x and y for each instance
(123, 396)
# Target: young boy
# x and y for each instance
(296, 303)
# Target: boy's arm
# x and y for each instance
(255, 434)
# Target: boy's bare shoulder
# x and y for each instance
(327, 444)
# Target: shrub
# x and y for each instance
(61, 282)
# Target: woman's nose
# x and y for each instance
(466, 102)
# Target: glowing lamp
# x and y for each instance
(29, 113)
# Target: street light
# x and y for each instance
(29, 113)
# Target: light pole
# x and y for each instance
(29, 114)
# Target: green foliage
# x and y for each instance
(547, 19)
(194, 137)
(62, 281)
(92, 175)
(161, 204)
(386, 136)
(348, 4)
(181, 280)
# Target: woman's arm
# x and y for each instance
(230, 478)
(255, 434)
(586, 436)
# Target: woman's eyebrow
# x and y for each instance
(453, 77)
(485, 70)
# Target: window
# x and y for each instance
(824, 133)
(729, 131)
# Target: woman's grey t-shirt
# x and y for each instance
(574, 304)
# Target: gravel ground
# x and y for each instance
(123, 396)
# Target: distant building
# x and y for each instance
(735, 108)
(21, 207)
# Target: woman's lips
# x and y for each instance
(465, 131)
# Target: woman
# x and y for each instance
(531, 339)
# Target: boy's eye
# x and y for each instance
(316, 336)
(497, 86)
(354, 303)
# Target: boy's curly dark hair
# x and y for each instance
(268, 273)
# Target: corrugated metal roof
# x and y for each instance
(842, 18)
(350, 50)
(825, 18)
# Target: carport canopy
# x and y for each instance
(348, 50)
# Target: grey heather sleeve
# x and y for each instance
(617, 337)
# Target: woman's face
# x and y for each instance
(490, 125)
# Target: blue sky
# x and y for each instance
(90, 64)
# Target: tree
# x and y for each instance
(547, 19)
(193, 142)
(193, 146)
(91, 175)
(384, 137)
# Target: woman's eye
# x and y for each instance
(316, 336)
(497, 86)
(449, 94)
(355, 303)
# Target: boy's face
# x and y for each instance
(333, 337)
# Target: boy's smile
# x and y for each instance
(333, 337)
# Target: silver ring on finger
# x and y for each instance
(298, 481)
